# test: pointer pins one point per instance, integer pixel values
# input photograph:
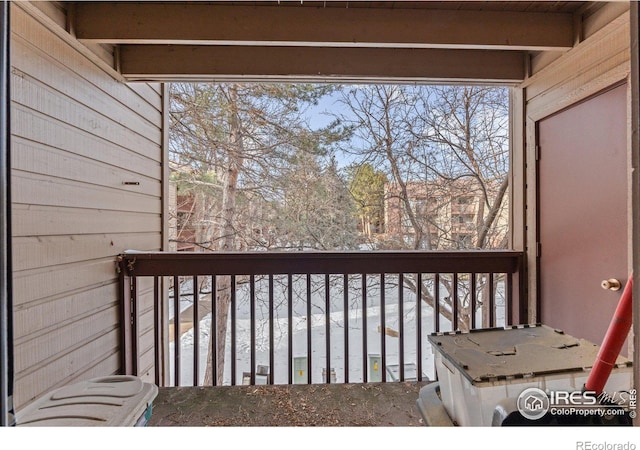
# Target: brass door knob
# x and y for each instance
(611, 284)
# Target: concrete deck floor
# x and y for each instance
(333, 405)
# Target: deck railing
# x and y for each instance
(306, 317)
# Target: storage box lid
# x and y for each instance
(524, 351)
(118, 400)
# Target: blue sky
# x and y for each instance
(328, 103)
(321, 116)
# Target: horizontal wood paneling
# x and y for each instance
(146, 369)
(106, 362)
(150, 92)
(37, 189)
(543, 59)
(78, 105)
(65, 279)
(37, 158)
(578, 88)
(33, 126)
(603, 16)
(31, 220)
(604, 48)
(74, 363)
(56, 11)
(102, 367)
(60, 339)
(29, 30)
(106, 52)
(33, 320)
(145, 302)
(78, 136)
(31, 252)
(593, 21)
(145, 323)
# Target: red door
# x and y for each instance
(583, 189)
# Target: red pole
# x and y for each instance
(613, 341)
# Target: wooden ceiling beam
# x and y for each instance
(255, 63)
(208, 24)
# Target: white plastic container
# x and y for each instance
(120, 400)
(479, 369)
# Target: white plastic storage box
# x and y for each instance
(119, 400)
(479, 369)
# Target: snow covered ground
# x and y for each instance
(318, 330)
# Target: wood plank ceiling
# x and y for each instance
(331, 40)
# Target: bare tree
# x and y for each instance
(445, 152)
(468, 140)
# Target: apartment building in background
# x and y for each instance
(448, 213)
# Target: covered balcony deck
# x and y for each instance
(331, 405)
(292, 315)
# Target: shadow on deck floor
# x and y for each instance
(333, 405)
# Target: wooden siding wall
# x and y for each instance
(78, 136)
(600, 61)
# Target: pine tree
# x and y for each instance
(246, 137)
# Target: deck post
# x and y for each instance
(126, 315)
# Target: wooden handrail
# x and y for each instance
(135, 263)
